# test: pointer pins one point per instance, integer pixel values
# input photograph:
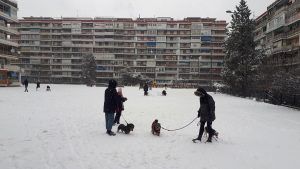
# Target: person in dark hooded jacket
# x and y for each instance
(110, 105)
(206, 113)
(146, 89)
(26, 85)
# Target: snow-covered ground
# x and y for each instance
(64, 129)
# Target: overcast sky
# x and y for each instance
(177, 9)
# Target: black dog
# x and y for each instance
(126, 129)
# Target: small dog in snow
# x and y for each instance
(155, 128)
(126, 129)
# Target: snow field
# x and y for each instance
(65, 129)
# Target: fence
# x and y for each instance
(290, 100)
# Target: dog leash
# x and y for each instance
(124, 118)
(180, 127)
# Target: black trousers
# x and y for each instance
(210, 130)
(117, 117)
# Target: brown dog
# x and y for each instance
(155, 128)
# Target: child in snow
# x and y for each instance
(120, 106)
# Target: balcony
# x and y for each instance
(9, 18)
(104, 33)
(293, 32)
(10, 31)
(8, 42)
(12, 67)
(293, 19)
(279, 37)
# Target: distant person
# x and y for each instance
(146, 89)
(150, 85)
(120, 106)
(165, 86)
(164, 93)
(141, 86)
(48, 88)
(110, 105)
(38, 85)
(206, 113)
(26, 85)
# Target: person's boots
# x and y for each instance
(109, 132)
(196, 139)
(209, 137)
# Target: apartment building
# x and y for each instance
(9, 74)
(277, 31)
(163, 49)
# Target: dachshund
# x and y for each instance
(126, 129)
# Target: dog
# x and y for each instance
(155, 128)
(126, 129)
(164, 93)
(215, 133)
(48, 88)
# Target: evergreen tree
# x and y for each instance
(89, 70)
(285, 82)
(241, 59)
(130, 77)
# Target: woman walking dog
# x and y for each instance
(206, 113)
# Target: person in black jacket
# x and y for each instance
(38, 85)
(26, 85)
(120, 106)
(110, 105)
(206, 113)
(146, 89)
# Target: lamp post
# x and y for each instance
(211, 53)
(199, 71)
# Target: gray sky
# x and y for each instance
(176, 9)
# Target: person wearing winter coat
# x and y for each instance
(110, 105)
(146, 89)
(120, 106)
(26, 85)
(206, 113)
(38, 85)
(164, 93)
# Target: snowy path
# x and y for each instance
(64, 129)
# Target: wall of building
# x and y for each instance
(10, 74)
(163, 49)
(278, 32)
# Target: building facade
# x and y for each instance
(278, 33)
(9, 74)
(162, 49)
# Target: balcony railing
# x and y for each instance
(293, 18)
(8, 42)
